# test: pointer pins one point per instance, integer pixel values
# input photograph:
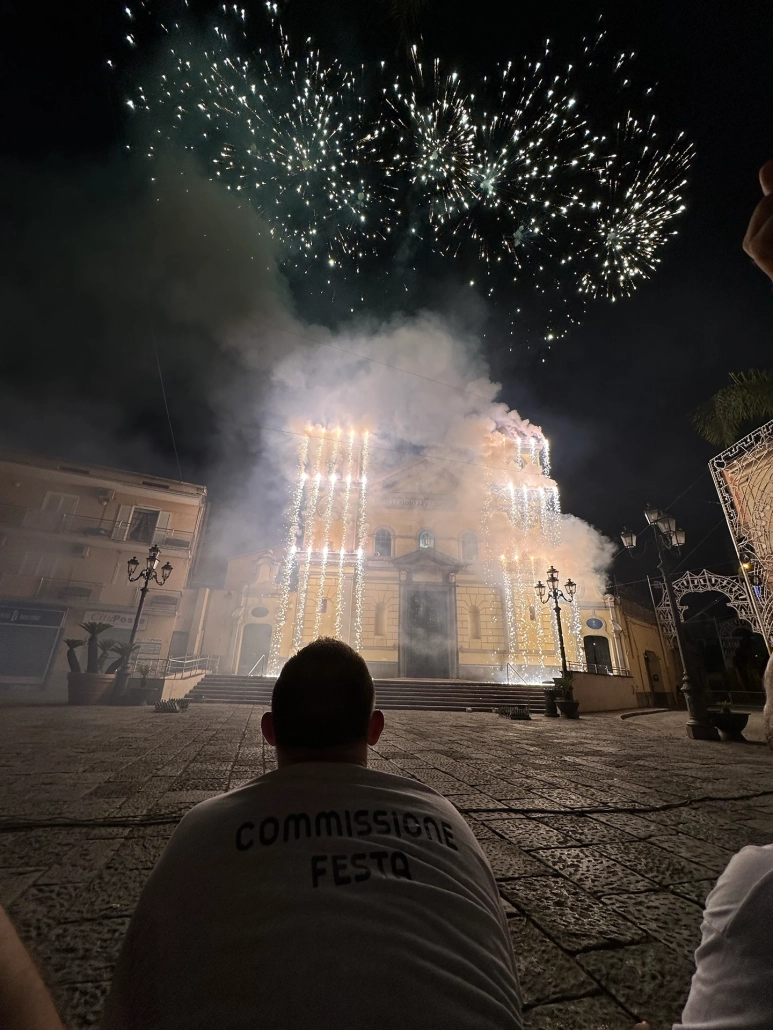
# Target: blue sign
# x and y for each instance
(12, 616)
(594, 624)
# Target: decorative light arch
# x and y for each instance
(699, 583)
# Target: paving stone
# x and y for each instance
(701, 851)
(648, 979)
(594, 1013)
(634, 825)
(81, 952)
(528, 833)
(569, 915)
(474, 802)
(592, 869)
(545, 972)
(583, 829)
(14, 881)
(508, 860)
(112, 892)
(37, 909)
(81, 863)
(655, 863)
(673, 920)
(695, 890)
(81, 1004)
(138, 853)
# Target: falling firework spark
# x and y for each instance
(642, 188)
(511, 180)
(512, 632)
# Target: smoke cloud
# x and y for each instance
(107, 278)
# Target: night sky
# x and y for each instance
(615, 397)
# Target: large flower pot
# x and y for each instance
(568, 709)
(550, 703)
(87, 688)
(729, 724)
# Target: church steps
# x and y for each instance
(392, 694)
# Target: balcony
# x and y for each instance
(86, 527)
(73, 591)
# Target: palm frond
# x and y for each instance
(748, 398)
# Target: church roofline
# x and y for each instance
(428, 556)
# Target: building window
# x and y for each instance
(426, 538)
(40, 564)
(532, 613)
(143, 525)
(62, 504)
(380, 626)
(323, 606)
(469, 546)
(474, 622)
(382, 543)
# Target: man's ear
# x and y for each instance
(375, 726)
(267, 728)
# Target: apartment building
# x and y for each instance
(67, 531)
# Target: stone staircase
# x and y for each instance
(424, 694)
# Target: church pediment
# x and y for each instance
(421, 484)
(428, 557)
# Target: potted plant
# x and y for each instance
(138, 692)
(86, 688)
(119, 667)
(729, 723)
(565, 702)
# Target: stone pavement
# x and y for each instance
(604, 834)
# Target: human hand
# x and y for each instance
(758, 241)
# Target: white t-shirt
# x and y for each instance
(732, 988)
(322, 896)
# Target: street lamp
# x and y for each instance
(150, 572)
(552, 592)
(669, 538)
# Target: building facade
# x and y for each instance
(67, 531)
(427, 569)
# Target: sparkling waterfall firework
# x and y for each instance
(359, 573)
(327, 522)
(339, 624)
(293, 522)
(308, 542)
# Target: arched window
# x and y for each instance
(380, 627)
(426, 538)
(469, 546)
(474, 622)
(382, 543)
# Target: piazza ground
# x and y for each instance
(604, 834)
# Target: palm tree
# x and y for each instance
(748, 398)
(72, 658)
(124, 652)
(94, 629)
(105, 648)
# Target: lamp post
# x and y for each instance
(669, 538)
(150, 572)
(552, 592)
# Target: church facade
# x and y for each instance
(427, 569)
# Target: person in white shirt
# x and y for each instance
(323, 894)
(732, 988)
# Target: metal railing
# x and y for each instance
(175, 668)
(261, 661)
(599, 669)
(737, 698)
(91, 527)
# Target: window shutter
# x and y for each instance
(122, 523)
(162, 527)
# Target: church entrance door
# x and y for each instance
(427, 630)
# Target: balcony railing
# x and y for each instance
(91, 528)
(72, 590)
(175, 667)
(600, 669)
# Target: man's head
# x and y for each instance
(322, 706)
